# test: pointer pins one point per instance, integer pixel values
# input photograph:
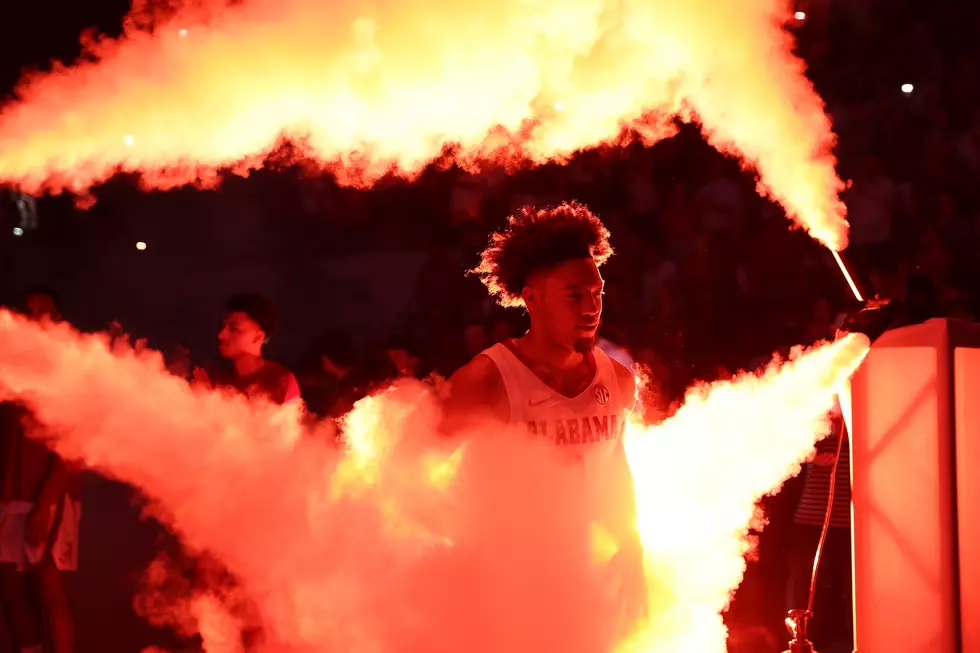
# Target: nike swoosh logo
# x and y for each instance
(533, 403)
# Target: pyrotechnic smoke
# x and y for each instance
(407, 542)
(360, 553)
(700, 474)
(367, 85)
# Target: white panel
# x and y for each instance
(967, 415)
(902, 500)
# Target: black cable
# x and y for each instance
(827, 517)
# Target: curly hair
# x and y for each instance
(536, 240)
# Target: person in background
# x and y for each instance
(40, 511)
(179, 362)
(612, 349)
(475, 339)
(819, 324)
(250, 322)
(402, 358)
(331, 375)
(500, 328)
(721, 200)
(42, 304)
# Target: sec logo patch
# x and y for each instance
(601, 394)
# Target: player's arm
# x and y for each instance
(622, 491)
(476, 397)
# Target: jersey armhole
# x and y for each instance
(497, 356)
(618, 397)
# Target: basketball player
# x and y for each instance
(553, 382)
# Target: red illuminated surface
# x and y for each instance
(914, 456)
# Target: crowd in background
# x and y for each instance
(708, 277)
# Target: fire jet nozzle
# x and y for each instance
(798, 623)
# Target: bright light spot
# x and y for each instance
(183, 32)
(141, 245)
(18, 231)
(800, 16)
(559, 106)
(907, 88)
(128, 140)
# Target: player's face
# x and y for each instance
(240, 335)
(566, 303)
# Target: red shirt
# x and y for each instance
(272, 381)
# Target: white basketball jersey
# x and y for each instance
(587, 426)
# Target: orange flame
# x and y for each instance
(496, 555)
(699, 475)
(368, 86)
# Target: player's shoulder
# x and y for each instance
(274, 371)
(480, 373)
(476, 393)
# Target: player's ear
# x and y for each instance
(529, 295)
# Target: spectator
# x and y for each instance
(678, 222)
(820, 325)
(250, 322)
(873, 201)
(330, 375)
(612, 349)
(721, 201)
(402, 358)
(475, 339)
(500, 327)
(179, 362)
(39, 517)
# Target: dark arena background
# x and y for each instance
(369, 283)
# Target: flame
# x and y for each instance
(367, 87)
(496, 555)
(219, 630)
(699, 475)
(604, 543)
(441, 472)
